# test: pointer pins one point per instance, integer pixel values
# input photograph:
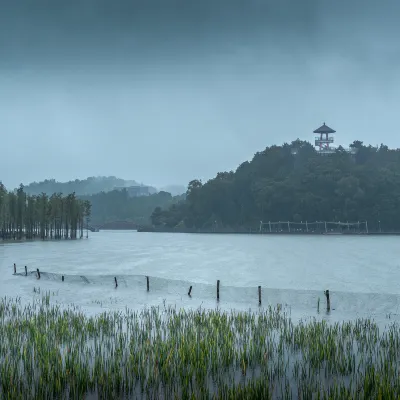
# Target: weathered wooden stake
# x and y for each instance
(38, 273)
(116, 282)
(15, 269)
(26, 271)
(259, 295)
(328, 301)
(148, 284)
(190, 291)
(218, 289)
(62, 278)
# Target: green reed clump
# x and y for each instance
(50, 352)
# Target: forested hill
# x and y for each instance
(117, 205)
(91, 185)
(278, 185)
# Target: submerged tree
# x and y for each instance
(44, 217)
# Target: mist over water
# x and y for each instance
(167, 91)
(360, 272)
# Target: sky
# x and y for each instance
(166, 91)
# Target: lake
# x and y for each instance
(361, 272)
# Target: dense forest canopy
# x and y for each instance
(91, 185)
(117, 205)
(293, 182)
(43, 216)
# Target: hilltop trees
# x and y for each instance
(293, 183)
(54, 217)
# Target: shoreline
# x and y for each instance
(10, 241)
(256, 232)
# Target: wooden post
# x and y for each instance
(218, 289)
(148, 284)
(38, 273)
(190, 291)
(62, 278)
(259, 295)
(26, 271)
(116, 282)
(328, 301)
(15, 269)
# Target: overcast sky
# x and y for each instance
(164, 91)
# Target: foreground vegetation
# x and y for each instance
(293, 183)
(47, 352)
(28, 217)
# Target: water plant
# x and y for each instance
(47, 351)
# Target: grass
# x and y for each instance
(50, 352)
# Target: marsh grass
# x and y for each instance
(51, 352)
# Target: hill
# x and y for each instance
(292, 182)
(89, 186)
(118, 206)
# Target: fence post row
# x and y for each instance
(328, 301)
(326, 292)
(321, 226)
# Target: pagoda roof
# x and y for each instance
(324, 129)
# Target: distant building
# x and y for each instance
(325, 139)
(135, 191)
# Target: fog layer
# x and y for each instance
(167, 91)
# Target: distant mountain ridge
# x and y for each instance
(85, 187)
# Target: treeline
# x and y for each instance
(293, 182)
(24, 216)
(84, 187)
(117, 205)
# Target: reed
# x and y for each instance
(51, 352)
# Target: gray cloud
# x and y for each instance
(165, 91)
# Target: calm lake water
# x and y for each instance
(361, 272)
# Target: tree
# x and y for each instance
(156, 216)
